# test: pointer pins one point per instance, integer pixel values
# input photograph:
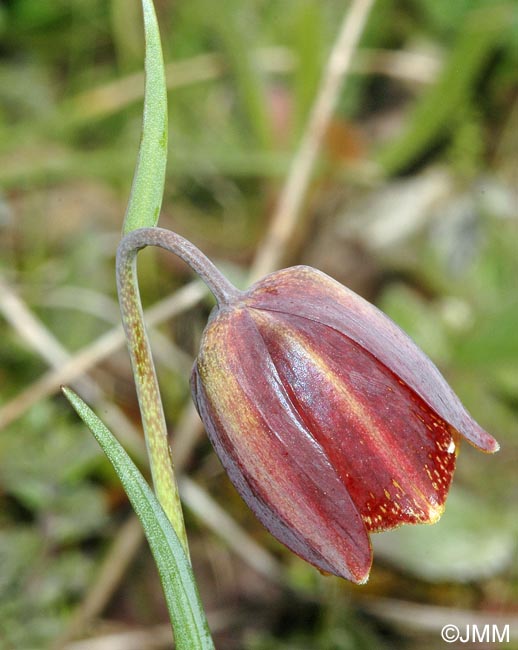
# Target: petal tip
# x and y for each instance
(357, 578)
(435, 513)
(358, 573)
(362, 580)
(477, 436)
(487, 444)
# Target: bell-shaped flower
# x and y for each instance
(329, 420)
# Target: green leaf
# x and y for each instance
(148, 182)
(439, 110)
(233, 28)
(185, 609)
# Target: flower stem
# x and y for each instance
(148, 392)
(223, 290)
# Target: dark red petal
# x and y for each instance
(306, 292)
(395, 456)
(273, 460)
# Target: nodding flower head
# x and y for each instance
(329, 420)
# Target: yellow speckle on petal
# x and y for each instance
(435, 513)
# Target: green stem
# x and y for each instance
(148, 392)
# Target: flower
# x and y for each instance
(328, 419)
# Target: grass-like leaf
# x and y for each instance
(190, 626)
(440, 108)
(148, 182)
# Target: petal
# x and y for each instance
(315, 296)
(276, 465)
(395, 456)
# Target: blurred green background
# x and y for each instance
(414, 205)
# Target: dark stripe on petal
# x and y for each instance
(395, 456)
(273, 461)
(317, 297)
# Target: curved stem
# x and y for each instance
(224, 291)
(148, 392)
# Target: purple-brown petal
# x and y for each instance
(395, 456)
(313, 295)
(280, 469)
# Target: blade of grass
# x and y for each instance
(438, 111)
(148, 182)
(231, 27)
(186, 611)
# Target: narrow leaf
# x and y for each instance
(148, 182)
(190, 626)
(438, 110)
